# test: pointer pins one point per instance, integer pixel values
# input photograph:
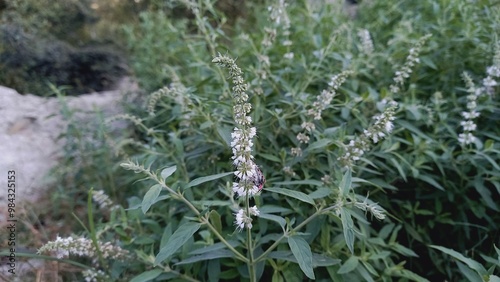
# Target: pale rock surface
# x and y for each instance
(30, 136)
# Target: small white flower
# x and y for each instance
(254, 211)
(288, 56)
(470, 115)
(366, 41)
(309, 126)
(389, 126)
(296, 152)
(466, 138)
(303, 138)
(288, 170)
(468, 125)
(489, 82)
(493, 71)
(243, 220)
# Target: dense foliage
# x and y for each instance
(378, 136)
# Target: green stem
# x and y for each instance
(218, 235)
(251, 262)
(180, 197)
(297, 228)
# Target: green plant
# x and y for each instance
(343, 110)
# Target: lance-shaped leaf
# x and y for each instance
(345, 184)
(204, 179)
(150, 197)
(302, 252)
(168, 171)
(348, 226)
(294, 194)
(177, 240)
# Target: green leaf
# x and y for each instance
(214, 247)
(270, 157)
(168, 171)
(281, 221)
(204, 179)
(485, 193)
(300, 182)
(348, 227)
(215, 220)
(208, 203)
(403, 250)
(177, 240)
(494, 278)
(294, 194)
(398, 271)
(349, 265)
(318, 260)
(362, 271)
(150, 197)
(469, 273)
(167, 232)
(428, 62)
(302, 253)
(489, 159)
(320, 193)
(407, 125)
(399, 168)
(470, 262)
(430, 181)
(147, 276)
(214, 270)
(225, 134)
(319, 144)
(207, 256)
(345, 184)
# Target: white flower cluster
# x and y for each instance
(279, 17)
(103, 200)
(326, 96)
(411, 61)
(288, 170)
(92, 275)
(317, 108)
(379, 130)
(242, 135)
(243, 220)
(366, 41)
(247, 172)
(493, 74)
(467, 137)
(297, 152)
(371, 207)
(63, 247)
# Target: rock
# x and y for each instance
(30, 142)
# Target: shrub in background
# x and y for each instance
(446, 188)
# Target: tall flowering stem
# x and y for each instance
(411, 60)
(243, 133)
(382, 126)
(250, 179)
(366, 41)
(469, 126)
(314, 112)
